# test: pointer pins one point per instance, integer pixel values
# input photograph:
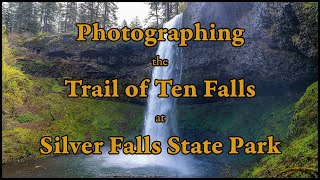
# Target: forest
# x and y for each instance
(61, 17)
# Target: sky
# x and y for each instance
(128, 10)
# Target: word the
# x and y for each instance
(159, 62)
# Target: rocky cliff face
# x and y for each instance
(62, 57)
(280, 54)
(91, 60)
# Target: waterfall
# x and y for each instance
(181, 165)
(164, 106)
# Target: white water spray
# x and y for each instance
(164, 106)
(157, 106)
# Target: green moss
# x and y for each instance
(299, 153)
(299, 156)
(305, 119)
(49, 85)
(225, 119)
(311, 9)
(28, 117)
(35, 107)
(54, 40)
(296, 39)
(19, 144)
(72, 117)
(100, 118)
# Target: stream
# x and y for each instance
(98, 166)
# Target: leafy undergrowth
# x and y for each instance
(34, 107)
(51, 114)
(299, 157)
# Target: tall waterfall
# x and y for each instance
(180, 164)
(164, 106)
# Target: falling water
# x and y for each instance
(164, 106)
(179, 164)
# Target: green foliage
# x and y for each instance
(100, 118)
(48, 85)
(299, 153)
(15, 85)
(34, 107)
(28, 117)
(305, 119)
(299, 156)
(41, 34)
(72, 117)
(182, 6)
(7, 55)
(19, 144)
(311, 9)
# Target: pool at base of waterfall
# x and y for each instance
(105, 165)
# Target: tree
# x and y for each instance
(155, 8)
(90, 7)
(167, 11)
(58, 17)
(8, 16)
(87, 12)
(26, 16)
(124, 23)
(96, 10)
(109, 15)
(47, 16)
(176, 5)
(83, 13)
(71, 16)
(135, 23)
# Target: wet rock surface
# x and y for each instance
(270, 58)
(280, 54)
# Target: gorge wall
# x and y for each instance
(280, 54)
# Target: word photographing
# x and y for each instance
(152, 36)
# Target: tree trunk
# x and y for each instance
(167, 12)
(65, 19)
(59, 17)
(105, 15)
(41, 18)
(45, 28)
(76, 15)
(177, 8)
(157, 16)
(91, 12)
(97, 12)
